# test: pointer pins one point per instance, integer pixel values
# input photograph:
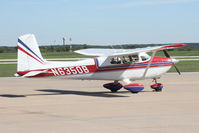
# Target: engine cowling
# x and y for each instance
(157, 86)
(134, 88)
(113, 87)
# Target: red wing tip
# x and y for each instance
(176, 45)
(182, 45)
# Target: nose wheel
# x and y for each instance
(158, 87)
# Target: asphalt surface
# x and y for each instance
(63, 106)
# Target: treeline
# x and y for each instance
(64, 48)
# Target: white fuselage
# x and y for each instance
(105, 71)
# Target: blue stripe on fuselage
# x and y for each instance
(135, 65)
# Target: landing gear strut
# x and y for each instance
(157, 86)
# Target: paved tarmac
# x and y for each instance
(73, 106)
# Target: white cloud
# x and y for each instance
(148, 3)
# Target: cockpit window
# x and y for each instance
(144, 58)
(116, 60)
(125, 59)
(130, 59)
(135, 58)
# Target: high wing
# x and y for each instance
(117, 52)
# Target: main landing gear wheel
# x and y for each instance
(114, 86)
(134, 88)
(158, 87)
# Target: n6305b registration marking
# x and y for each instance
(69, 70)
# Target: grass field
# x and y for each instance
(46, 55)
(62, 55)
(186, 66)
(179, 53)
(8, 55)
(75, 55)
(8, 70)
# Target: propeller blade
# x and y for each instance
(177, 69)
(166, 54)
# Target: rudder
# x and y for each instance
(29, 55)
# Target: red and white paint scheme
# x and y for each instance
(109, 64)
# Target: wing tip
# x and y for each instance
(176, 45)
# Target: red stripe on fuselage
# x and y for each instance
(155, 63)
(127, 68)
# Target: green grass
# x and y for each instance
(8, 55)
(46, 55)
(179, 53)
(75, 55)
(8, 70)
(188, 57)
(186, 66)
(62, 55)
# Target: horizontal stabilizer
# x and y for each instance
(33, 73)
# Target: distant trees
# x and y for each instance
(8, 49)
(2, 50)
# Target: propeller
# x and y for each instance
(168, 56)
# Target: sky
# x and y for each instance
(100, 22)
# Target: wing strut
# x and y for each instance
(147, 68)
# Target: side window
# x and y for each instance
(125, 59)
(130, 59)
(116, 60)
(144, 58)
(135, 58)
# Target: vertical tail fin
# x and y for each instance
(29, 55)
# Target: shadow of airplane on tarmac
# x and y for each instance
(69, 92)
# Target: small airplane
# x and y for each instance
(125, 65)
